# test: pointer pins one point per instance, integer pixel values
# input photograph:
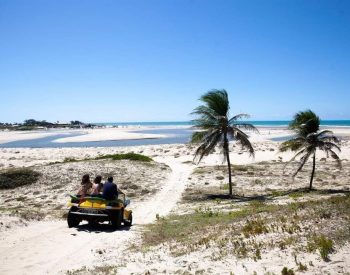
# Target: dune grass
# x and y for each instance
(235, 232)
(127, 156)
(13, 178)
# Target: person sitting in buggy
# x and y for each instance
(110, 190)
(85, 186)
(97, 187)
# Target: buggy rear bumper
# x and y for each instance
(90, 214)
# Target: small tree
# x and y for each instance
(30, 122)
(76, 122)
(216, 128)
(308, 139)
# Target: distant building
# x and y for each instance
(62, 122)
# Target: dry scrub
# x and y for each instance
(314, 226)
(48, 195)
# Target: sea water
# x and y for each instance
(260, 123)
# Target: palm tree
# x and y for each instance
(216, 128)
(308, 139)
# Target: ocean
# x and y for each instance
(261, 123)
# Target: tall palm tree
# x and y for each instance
(216, 128)
(308, 139)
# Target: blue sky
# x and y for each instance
(150, 60)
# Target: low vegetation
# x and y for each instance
(322, 244)
(287, 271)
(127, 156)
(255, 228)
(265, 181)
(105, 269)
(13, 178)
(140, 180)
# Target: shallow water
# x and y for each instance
(174, 136)
(284, 138)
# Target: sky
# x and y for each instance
(151, 60)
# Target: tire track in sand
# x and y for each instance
(50, 247)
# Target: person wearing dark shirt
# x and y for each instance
(110, 190)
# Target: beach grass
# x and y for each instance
(12, 178)
(127, 156)
(236, 232)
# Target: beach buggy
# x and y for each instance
(94, 209)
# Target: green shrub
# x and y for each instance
(257, 204)
(325, 247)
(322, 244)
(302, 267)
(241, 168)
(287, 271)
(69, 160)
(206, 212)
(296, 195)
(129, 156)
(13, 178)
(254, 227)
(225, 186)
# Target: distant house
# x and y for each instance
(62, 122)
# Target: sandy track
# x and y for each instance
(51, 248)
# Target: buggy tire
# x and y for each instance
(92, 222)
(116, 218)
(129, 221)
(72, 220)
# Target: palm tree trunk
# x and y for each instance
(313, 170)
(228, 163)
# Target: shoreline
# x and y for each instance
(121, 137)
(104, 134)
(265, 150)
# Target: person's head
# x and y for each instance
(98, 179)
(110, 179)
(85, 179)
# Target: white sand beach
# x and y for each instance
(9, 136)
(107, 134)
(35, 238)
(175, 137)
(83, 135)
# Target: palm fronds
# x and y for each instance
(305, 122)
(242, 138)
(213, 128)
(309, 139)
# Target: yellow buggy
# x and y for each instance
(95, 209)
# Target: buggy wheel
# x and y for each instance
(129, 221)
(92, 222)
(72, 219)
(116, 218)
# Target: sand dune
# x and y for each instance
(106, 134)
(172, 184)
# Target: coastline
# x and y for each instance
(79, 135)
(67, 136)
(266, 149)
